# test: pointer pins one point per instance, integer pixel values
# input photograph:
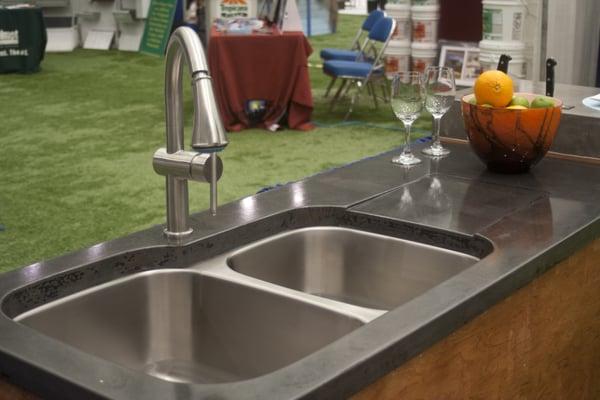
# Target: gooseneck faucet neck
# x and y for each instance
(208, 134)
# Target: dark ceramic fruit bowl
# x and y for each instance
(510, 140)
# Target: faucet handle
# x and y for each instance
(200, 167)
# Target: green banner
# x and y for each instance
(22, 39)
(158, 27)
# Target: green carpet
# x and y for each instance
(77, 141)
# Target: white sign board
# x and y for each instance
(231, 9)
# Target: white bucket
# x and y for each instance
(401, 13)
(397, 57)
(423, 55)
(503, 19)
(491, 50)
(425, 23)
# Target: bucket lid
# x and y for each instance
(399, 13)
(433, 8)
(397, 7)
(500, 45)
(399, 44)
(504, 3)
(424, 2)
(424, 46)
(427, 52)
(398, 47)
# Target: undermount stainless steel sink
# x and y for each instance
(269, 294)
(349, 265)
(182, 326)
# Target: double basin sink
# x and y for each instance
(261, 305)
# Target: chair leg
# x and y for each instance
(333, 79)
(373, 94)
(388, 92)
(354, 100)
(337, 95)
(347, 89)
(384, 90)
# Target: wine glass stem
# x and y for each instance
(436, 132)
(406, 151)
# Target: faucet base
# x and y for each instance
(177, 235)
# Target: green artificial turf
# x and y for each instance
(77, 138)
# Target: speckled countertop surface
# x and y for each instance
(533, 220)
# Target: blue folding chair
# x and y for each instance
(363, 72)
(358, 45)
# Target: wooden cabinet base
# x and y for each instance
(543, 342)
(11, 392)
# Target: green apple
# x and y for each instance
(519, 101)
(542, 102)
(473, 100)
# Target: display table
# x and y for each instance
(22, 39)
(271, 67)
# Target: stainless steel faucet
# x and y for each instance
(208, 135)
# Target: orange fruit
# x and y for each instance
(494, 88)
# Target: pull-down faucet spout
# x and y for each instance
(208, 134)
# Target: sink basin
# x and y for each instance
(349, 265)
(257, 299)
(182, 326)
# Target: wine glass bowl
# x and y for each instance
(440, 91)
(407, 102)
(510, 140)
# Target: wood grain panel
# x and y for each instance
(543, 342)
(9, 391)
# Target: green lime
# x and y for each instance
(519, 101)
(542, 102)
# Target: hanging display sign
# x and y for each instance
(230, 9)
(158, 27)
(234, 8)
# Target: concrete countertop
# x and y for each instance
(533, 220)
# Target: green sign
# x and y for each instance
(158, 27)
(22, 39)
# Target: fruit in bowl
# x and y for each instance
(509, 132)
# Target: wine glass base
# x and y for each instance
(436, 151)
(406, 159)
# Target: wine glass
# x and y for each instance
(440, 91)
(407, 103)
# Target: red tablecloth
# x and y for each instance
(261, 67)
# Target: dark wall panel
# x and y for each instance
(460, 20)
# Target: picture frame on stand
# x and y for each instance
(464, 61)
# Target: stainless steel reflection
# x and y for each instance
(208, 134)
(180, 325)
(350, 266)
